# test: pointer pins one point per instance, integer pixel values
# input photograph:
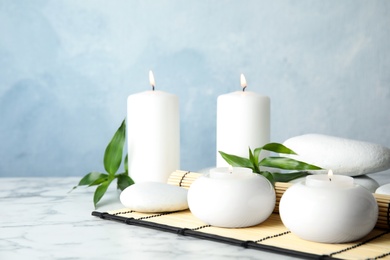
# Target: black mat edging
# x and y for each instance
(210, 237)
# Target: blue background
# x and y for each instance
(67, 67)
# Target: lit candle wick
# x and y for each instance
(330, 175)
(243, 82)
(151, 79)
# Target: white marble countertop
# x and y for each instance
(41, 220)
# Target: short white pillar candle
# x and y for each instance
(328, 209)
(231, 197)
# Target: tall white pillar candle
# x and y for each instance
(243, 121)
(153, 135)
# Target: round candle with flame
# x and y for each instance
(328, 209)
(243, 120)
(329, 180)
(231, 197)
(153, 134)
(229, 172)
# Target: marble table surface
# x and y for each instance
(39, 219)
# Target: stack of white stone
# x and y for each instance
(343, 156)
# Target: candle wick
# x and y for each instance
(153, 87)
(243, 89)
(330, 179)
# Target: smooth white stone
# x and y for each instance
(384, 189)
(366, 182)
(154, 197)
(343, 156)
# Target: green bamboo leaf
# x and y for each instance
(254, 161)
(251, 157)
(269, 176)
(88, 179)
(286, 177)
(113, 153)
(234, 160)
(277, 148)
(287, 164)
(124, 181)
(100, 191)
(256, 154)
(126, 164)
(100, 180)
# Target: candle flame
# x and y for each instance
(230, 169)
(330, 175)
(243, 82)
(151, 79)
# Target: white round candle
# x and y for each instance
(229, 172)
(153, 135)
(328, 209)
(329, 180)
(243, 120)
(231, 198)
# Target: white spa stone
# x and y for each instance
(343, 156)
(366, 182)
(154, 197)
(384, 189)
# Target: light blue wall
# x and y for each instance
(66, 68)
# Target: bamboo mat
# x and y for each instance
(271, 235)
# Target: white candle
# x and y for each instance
(329, 180)
(328, 209)
(153, 134)
(229, 172)
(243, 121)
(231, 197)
